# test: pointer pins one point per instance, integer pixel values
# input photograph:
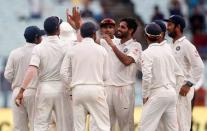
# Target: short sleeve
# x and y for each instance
(35, 59)
(135, 52)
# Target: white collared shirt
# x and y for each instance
(17, 65)
(188, 59)
(86, 63)
(159, 68)
(120, 74)
(48, 57)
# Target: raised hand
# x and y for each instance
(75, 19)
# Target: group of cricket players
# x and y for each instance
(68, 71)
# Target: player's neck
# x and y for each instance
(177, 37)
(123, 40)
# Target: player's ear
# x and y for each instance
(131, 31)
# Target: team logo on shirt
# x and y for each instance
(177, 48)
(125, 50)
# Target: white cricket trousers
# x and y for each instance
(90, 99)
(184, 110)
(52, 96)
(121, 101)
(161, 104)
(23, 116)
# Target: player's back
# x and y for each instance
(88, 62)
(163, 65)
(51, 53)
(19, 58)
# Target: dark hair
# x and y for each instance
(152, 39)
(51, 24)
(32, 39)
(88, 29)
(131, 23)
(32, 32)
(84, 34)
(181, 28)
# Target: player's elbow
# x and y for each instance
(8, 77)
(127, 62)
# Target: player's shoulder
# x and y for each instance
(188, 45)
(98, 46)
(17, 50)
(135, 43)
(151, 50)
(147, 51)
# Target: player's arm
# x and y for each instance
(197, 68)
(9, 69)
(196, 63)
(75, 21)
(66, 70)
(147, 62)
(29, 75)
(178, 74)
(31, 72)
(125, 59)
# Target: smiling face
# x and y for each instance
(108, 29)
(123, 30)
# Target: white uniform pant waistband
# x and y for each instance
(162, 90)
(27, 92)
(51, 87)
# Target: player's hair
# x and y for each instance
(84, 34)
(131, 23)
(152, 39)
(31, 40)
(181, 29)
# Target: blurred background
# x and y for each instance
(16, 15)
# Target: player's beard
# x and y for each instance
(172, 34)
(121, 35)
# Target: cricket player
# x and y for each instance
(85, 68)
(124, 57)
(107, 27)
(190, 63)
(160, 73)
(16, 67)
(46, 61)
(162, 41)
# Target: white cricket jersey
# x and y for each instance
(120, 74)
(188, 59)
(164, 43)
(17, 66)
(86, 63)
(48, 58)
(159, 68)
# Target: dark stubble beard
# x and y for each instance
(172, 34)
(123, 34)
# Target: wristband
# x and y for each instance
(189, 84)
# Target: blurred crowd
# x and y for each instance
(195, 15)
